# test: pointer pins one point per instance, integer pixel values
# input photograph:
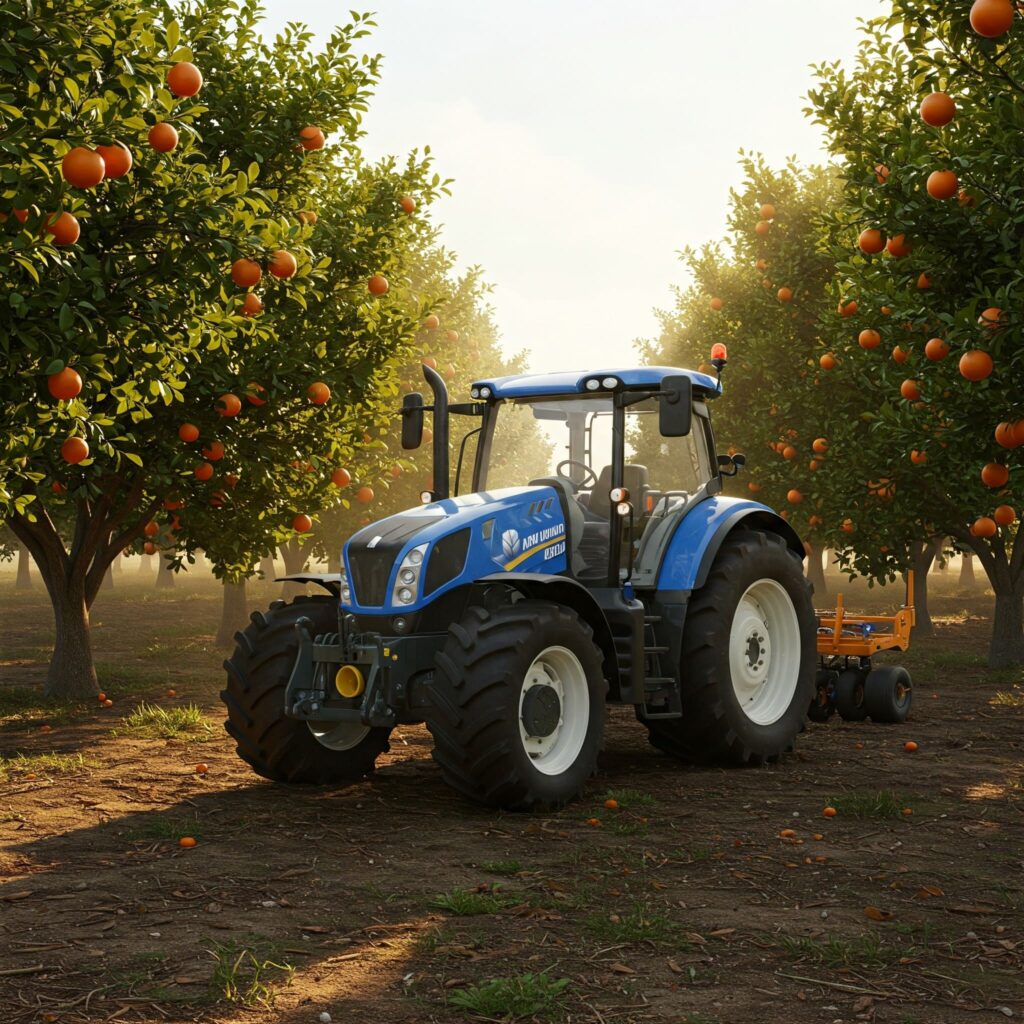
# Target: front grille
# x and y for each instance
(370, 570)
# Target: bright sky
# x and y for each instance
(590, 140)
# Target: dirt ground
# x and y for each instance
(394, 900)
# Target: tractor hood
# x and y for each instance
(403, 562)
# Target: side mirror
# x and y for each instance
(737, 461)
(675, 410)
(412, 421)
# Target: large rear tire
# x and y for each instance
(280, 748)
(748, 657)
(518, 705)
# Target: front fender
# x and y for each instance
(692, 549)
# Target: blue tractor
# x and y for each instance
(591, 560)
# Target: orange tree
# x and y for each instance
(763, 294)
(160, 260)
(926, 128)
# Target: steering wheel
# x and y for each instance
(589, 476)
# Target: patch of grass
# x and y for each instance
(1008, 699)
(150, 721)
(955, 659)
(526, 995)
(25, 703)
(639, 925)
(242, 976)
(883, 803)
(427, 941)
(43, 764)
(463, 903)
(868, 950)
(501, 867)
(160, 827)
(630, 798)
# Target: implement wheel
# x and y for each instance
(888, 692)
(822, 706)
(849, 695)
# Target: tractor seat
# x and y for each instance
(634, 479)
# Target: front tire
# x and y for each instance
(748, 658)
(518, 705)
(277, 747)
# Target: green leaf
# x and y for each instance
(55, 367)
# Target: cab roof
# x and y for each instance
(573, 382)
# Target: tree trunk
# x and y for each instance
(1006, 648)
(816, 573)
(924, 554)
(24, 581)
(164, 575)
(117, 564)
(268, 568)
(146, 565)
(967, 579)
(941, 557)
(234, 612)
(71, 672)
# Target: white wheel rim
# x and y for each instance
(560, 669)
(764, 652)
(339, 735)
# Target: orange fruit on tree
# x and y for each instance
(74, 450)
(847, 526)
(871, 240)
(188, 432)
(898, 246)
(311, 137)
(364, 495)
(282, 264)
(785, 294)
(827, 361)
(117, 159)
(407, 203)
(767, 212)
(924, 282)
(992, 318)
(64, 228)
(820, 445)
(229, 405)
(919, 458)
(789, 452)
(937, 109)
(302, 523)
(848, 309)
(899, 355)
(245, 273)
(995, 474)
(253, 392)
(203, 471)
(936, 349)
(910, 390)
(395, 471)
(185, 79)
(885, 311)
(65, 385)
(58, 488)
(762, 227)
(213, 452)
(753, 487)
(794, 497)
(964, 198)
(432, 322)
(991, 18)
(717, 304)
(881, 173)
(983, 526)
(319, 393)
(814, 465)
(975, 365)
(148, 548)
(341, 478)
(1004, 515)
(83, 168)
(814, 520)
(378, 284)
(163, 137)
(942, 184)
(1006, 436)
(231, 480)
(451, 336)
(252, 306)
(869, 339)
(151, 529)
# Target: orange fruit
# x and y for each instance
(308, 217)
(230, 479)
(612, 805)
(936, 349)
(364, 495)
(787, 833)
(74, 450)
(924, 282)
(767, 212)
(311, 138)
(186, 842)
(829, 812)
(203, 471)
(869, 339)
(994, 474)
(1006, 436)
(717, 304)
(378, 285)
(163, 137)
(991, 18)
(201, 769)
(151, 529)
(788, 452)
(992, 318)
(794, 497)
(762, 227)
(431, 323)
(108, 703)
(847, 526)
(58, 488)
(898, 246)
(188, 432)
(302, 523)
(319, 393)
(975, 365)
(395, 471)
(64, 385)
(282, 264)
(1004, 515)
(117, 159)
(910, 391)
(64, 228)
(983, 527)
(172, 693)
(83, 168)
(848, 309)
(827, 361)
(252, 393)
(785, 294)
(149, 547)
(593, 822)
(246, 273)
(229, 405)
(885, 311)
(871, 240)
(341, 478)
(881, 173)
(452, 336)
(101, 696)
(820, 445)
(937, 109)
(213, 452)
(185, 79)
(942, 185)
(252, 306)
(753, 487)
(910, 746)
(407, 203)
(762, 264)
(919, 458)
(899, 355)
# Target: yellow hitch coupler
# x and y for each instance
(349, 681)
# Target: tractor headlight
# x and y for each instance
(407, 582)
(344, 588)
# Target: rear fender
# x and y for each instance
(703, 530)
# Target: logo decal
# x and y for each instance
(510, 543)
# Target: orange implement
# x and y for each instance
(841, 634)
